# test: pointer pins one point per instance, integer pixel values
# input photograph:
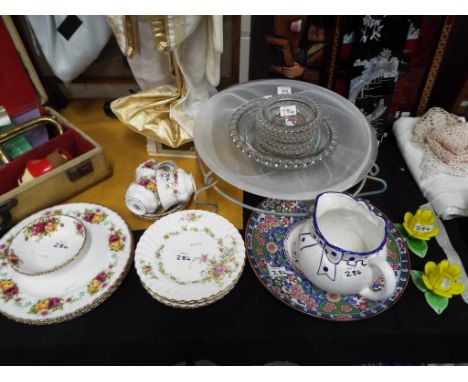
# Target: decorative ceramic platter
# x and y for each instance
(79, 286)
(190, 256)
(47, 244)
(277, 270)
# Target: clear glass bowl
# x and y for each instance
(289, 118)
(243, 133)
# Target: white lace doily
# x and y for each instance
(444, 138)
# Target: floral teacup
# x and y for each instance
(141, 197)
(342, 249)
(174, 186)
(146, 169)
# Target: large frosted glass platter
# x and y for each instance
(351, 160)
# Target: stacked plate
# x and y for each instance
(190, 259)
(62, 262)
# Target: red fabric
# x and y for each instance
(17, 93)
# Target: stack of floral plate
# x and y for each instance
(62, 262)
(190, 259)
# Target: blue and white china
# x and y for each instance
(343, 247)
(271, 250)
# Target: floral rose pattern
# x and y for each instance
(11, 293)
(79, 229)
(13, 259)
(117, 240)
(5, 252)
(264, 242)
(8, 289)
(148, 183)
(147, 269)
(151, 164)
(99, 282)
(41, 228)
(215, 268)
(45, 306)
(94, 216)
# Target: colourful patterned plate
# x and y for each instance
(277, 270)
(190, 256)
(79, 286)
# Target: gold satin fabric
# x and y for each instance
(148, 113)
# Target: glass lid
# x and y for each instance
(350, 161)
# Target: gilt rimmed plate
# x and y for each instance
(46, 245)
(190, 257)
(79, 286)
(192, 304)
(278, 271)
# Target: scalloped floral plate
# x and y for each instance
(190, 257)
(266, 237)
(192, 304)
(79, 286)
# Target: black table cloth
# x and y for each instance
(249, 326)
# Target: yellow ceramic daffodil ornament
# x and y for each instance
(417, 229)
(439, 283)
(420, 225)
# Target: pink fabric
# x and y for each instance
(444, 136)
(450, 144)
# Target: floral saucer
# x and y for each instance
(277, 269)
(77, 287)
(190, 257)
(46, 245)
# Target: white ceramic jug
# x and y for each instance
(343, 248)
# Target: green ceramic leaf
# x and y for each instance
(402, 230)
(436, 302)
(416, 276)
(418, 247)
